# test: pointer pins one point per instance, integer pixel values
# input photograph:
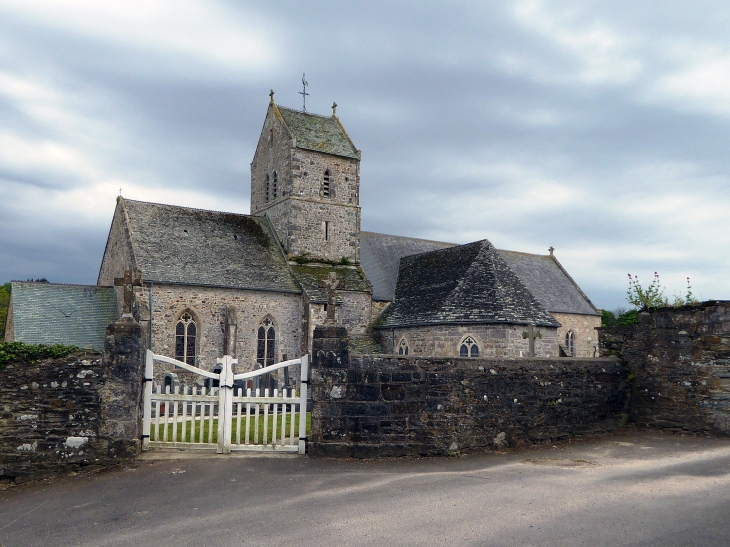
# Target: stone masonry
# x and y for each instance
(679, 366)
(372, 405)
(584, 331)
(494, 341)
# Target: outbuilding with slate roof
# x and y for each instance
(50, 313)
(466, 301)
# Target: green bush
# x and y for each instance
(31, 353)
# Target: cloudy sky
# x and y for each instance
(600, 128)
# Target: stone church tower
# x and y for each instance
(305, 177)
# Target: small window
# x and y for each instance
(468, 348)
(326, 228)
(403, 347)
(185, 339)
(326, 184)
(570, 344)
(274, 187)
(266, 347)
(271, 137)
(268, 183)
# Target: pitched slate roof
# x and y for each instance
(465, 284)
(72, 315)
(318, 133)
(309, 276)
(545, 278)
(380, 255)
(543, 275)
(187, 246)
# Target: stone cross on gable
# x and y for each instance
(131, 279)
(332, 284)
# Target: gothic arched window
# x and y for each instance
(570, 343)
(266, 348)
(468, 348)
(267, 188)
(185, 339)
(403, 347)
(326, 184)
(274, 189)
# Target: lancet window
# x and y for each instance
(468, 348)
(570, 343)
(403, 347)
(266, 348)
(186, 339)
(326, 184)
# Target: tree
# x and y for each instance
(4, 302)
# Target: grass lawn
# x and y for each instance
(206, 426)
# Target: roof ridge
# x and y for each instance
(190, 208)
(305, 112)
(416, 238)
(522, 253)
(48, 283)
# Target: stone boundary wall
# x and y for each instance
(679, 367)
(79, 411)
(375, 405)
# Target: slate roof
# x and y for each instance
(546, 279)
(72, 315)
(380, 255)
(543, 275)
(195, 247)
(464, 284)
(309, 276)
(318, 133)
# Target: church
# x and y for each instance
(210, 283)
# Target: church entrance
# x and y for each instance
(223, 413)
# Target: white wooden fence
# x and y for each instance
(224, 418)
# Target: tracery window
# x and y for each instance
(326, 183)
(274, 189)
(267, 188)
(185, 339)
(570, 343)
(266, 348)
(403, 347)
(468, 348)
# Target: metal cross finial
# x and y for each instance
(271, 94)
(304, 93)
(120, 190)
(334, 109)
(551, 249)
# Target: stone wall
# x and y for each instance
(207, 305)
(679, 367)
(584, 331)
(376, 405)
(494, 341)
(79, 411)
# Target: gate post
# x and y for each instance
(303, 405)
(225, 404)
(147, 411)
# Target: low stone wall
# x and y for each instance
(79, 411)
(679, 367)
(376, 405)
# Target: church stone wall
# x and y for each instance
(118, 255)
(584, 331)
(207, 305)
(269, 156)
(354, 314)
(502, 341)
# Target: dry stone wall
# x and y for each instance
(679, 366)
(374, 405)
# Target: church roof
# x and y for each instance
(543, 275)
(309, 276)
(187, 246)
(72, 315)
(318, 133)
(549, 282)
(463, 284)
(380, 255)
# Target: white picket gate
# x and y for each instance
(187, 419)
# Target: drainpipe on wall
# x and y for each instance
(151, 307)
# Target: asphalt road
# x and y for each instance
(630, 489)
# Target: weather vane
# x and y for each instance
(304, 93)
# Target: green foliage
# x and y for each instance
(302, 259)
(344, 261)
(608, 318)
(646, 298)
(4, 301)
(687, 300)
(630, 317)
(31, 353)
